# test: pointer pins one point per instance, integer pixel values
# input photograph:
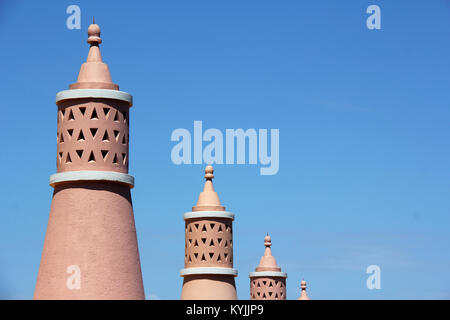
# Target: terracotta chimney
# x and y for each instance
(268, 282)
(208, 261)
(303, 295)
(90, 249)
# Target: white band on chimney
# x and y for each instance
(208, 270)
(94, 93)
(208, 214)
(91, 176)
(268, 274)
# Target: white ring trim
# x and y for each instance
(208, 214)
(208, 270)
(94, 93)
(91, 175)
(267, 274)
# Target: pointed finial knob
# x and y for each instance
(209, 172)
(94, 34)
(303, 285)
(267, 241)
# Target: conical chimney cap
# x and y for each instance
(208, 200)
(94, 74)
(268, 262)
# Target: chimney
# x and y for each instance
(90, 249)
(208, 261)
(268, 282)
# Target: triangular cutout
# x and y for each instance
(124, 158)
(189, 260)
(196, 255)
(220, 228)
(82, 110)
(116, 134)
(211, 225)
(196, 243)
(219, 258)
(104, 154)
(123, 140)
(91, 157)
(105, 136)
(196, 226)
(68, 159)
(93, 131)
(71, 117)
(115, 159)
(106, 111)
(61, 138)
(219, 241)
(211, 243)
(203, 257)
(80, 153)
(94, 115)
(204, 240)
(204, 228)
(211, 255)
(70, 132)
(116, 116)
(125, 116)
(80, 135)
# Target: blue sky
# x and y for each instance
(364, 134)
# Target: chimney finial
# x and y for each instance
(267, 241)
(94, 34)
(209, 172)
(208, 200)
(303, 295)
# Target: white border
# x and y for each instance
(208, 214)
(91, 175)
(208, 270)
(94, 93)
(267, 274)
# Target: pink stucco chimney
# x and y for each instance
(208, 262)
(267, 282)
(90, 249)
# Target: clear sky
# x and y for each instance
(363, 117)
